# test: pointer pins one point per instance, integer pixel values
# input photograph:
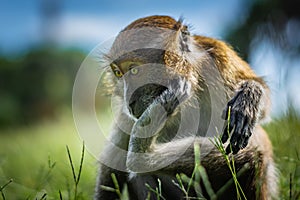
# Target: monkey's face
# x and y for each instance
(144, 79)
(148, 59)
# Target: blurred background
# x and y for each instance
(43, 42)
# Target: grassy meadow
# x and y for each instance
(285, 136)
(34, 163)
(36, 159)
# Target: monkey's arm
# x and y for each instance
(250, 102)
(149, 125)
(246, 108)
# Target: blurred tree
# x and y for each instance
(37, 85)
(269, 38)
(275, 20)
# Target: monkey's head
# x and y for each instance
(150, 55)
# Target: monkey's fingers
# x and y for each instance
(232, 149)
(233, 143)
(228, 129)
(238, 135)
(240, 144)
(240, 138)
(246, 132)
(246, 139)
(171, 98)
(233, 146)
(168, 100)
(246, 135)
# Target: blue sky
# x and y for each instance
(83, 24)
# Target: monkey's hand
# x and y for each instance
(177, 92)
(242, 113)
(154, 117)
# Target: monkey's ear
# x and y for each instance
(178, 44)
(182, 36)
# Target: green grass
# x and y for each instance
(285, 136)
(36, 160)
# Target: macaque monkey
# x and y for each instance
(176, 90)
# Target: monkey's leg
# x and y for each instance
(251, 164)
(246, 109)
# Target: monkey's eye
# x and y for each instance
(118, 73)
(134, 71)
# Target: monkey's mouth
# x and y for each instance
(143, 97)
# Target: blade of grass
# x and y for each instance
(159, 186)
(60, 195)
(71, 163)
(116, 184)
(230, 182)
(219, 145)
(44, 196)
(4, 186)
(81, 163)
(106, 188)
(180, 185)
(291, 185)
(206, 182)
(156, 192)
(198, 177)
(76, 178)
